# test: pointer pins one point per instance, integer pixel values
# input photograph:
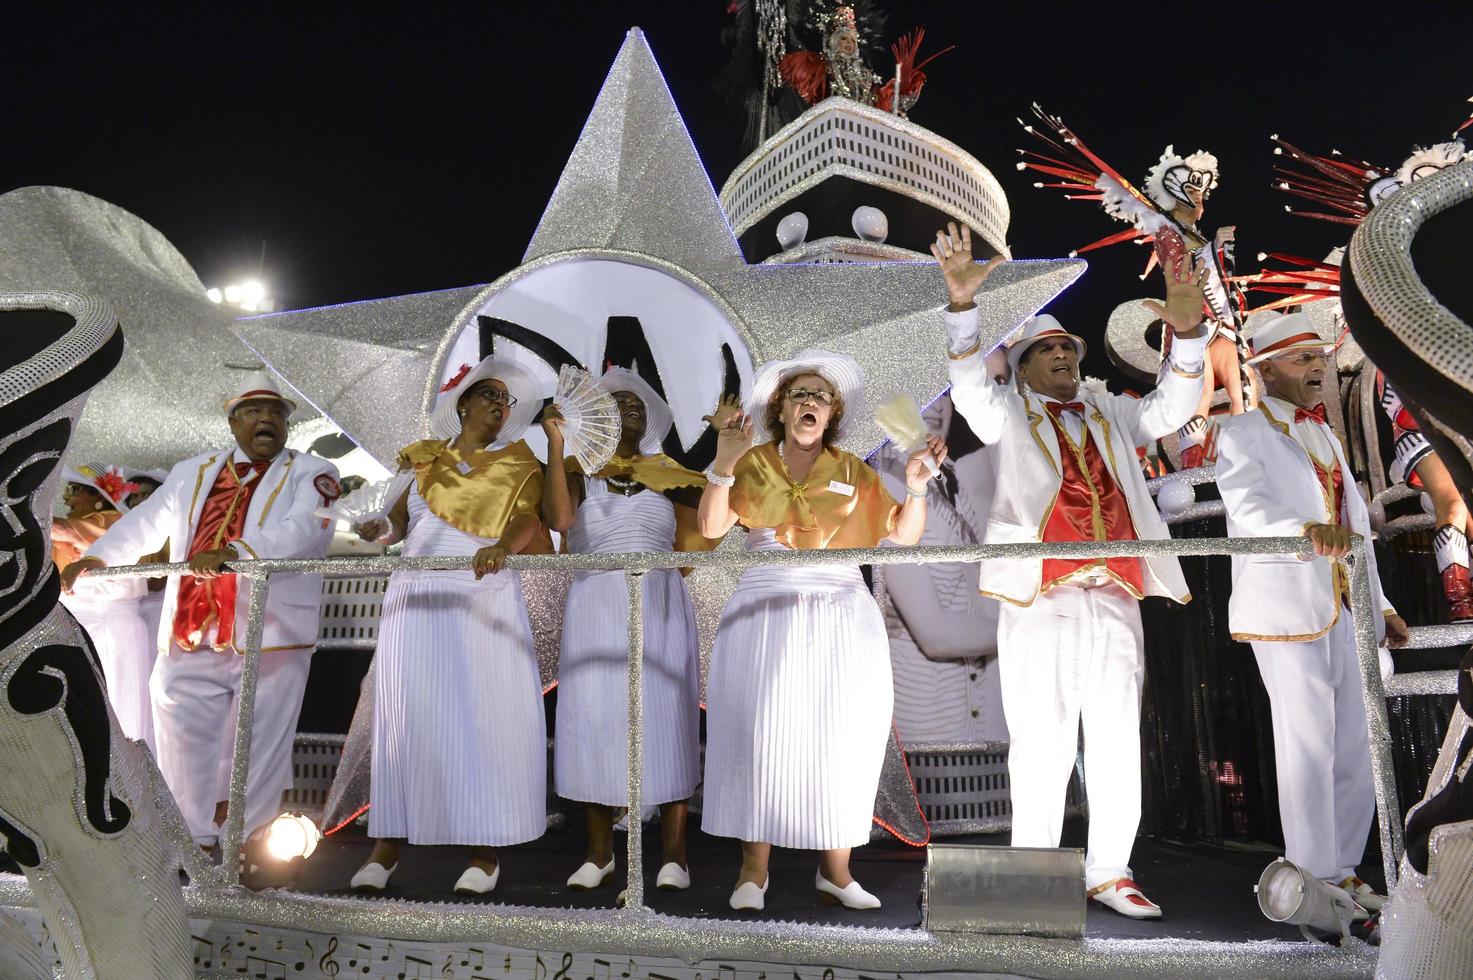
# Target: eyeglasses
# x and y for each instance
(800, 395)
(496, 396)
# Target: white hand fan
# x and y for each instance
(593, 422)
(899, 417)
(370, 502)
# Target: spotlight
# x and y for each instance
(292, 835)
(1288, 893)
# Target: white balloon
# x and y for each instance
(1175, 496)
(870, 223)
(792, 229)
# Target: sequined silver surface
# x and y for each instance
(634, 191)
(162, 403)
(1388, 804)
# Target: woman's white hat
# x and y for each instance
(108, 481)
(258, 384)
(1039, 328)
(1283, 334)
(657, 415)
(445, 419)
(840, 370)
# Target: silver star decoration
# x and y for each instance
(634, 189)
(164, 401)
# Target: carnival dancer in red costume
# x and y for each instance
(1069, 632)
(1165, 214)
(1282, 472)
(1344, 191)
(253, 501)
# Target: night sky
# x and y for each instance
(341, 153)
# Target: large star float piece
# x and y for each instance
(634, 192)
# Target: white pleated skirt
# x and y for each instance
(127, 652)
(591, 749)
(798, 709)
(460, 740)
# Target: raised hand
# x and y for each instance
(732, 443)
(925, 463)
(1186, 282)
(953, 250)
(728, 406)
(552, 425)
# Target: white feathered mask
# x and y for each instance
(1167, 181)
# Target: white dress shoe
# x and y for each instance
(749, 896)
(372, 877)
(474, 881)
(673, 877)
(590, 875)
(851, 896)
(1125, 897)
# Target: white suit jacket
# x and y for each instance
(1271, 489)
(1017, 429)
(279, 524)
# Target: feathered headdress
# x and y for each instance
(1168, 180)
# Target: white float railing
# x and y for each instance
(637, 923)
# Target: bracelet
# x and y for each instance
(717, 480)
(966, 353)
(919, 495)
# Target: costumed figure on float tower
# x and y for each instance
(788, 55)
(1166, 215)
(1345, 191)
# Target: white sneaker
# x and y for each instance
(474, 881)
(851, 895)
(1365, 896)
(590, 875)
(749, 897)
(673, 877)
(372, 877)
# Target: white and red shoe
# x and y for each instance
(1125, 897)
(1365, 896)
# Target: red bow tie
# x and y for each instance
(1057, 408)
(1305, 414)
(241, 469)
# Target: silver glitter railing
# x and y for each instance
(635, 564)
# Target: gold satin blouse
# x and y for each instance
(656, 472)
(842, 504)
(481, 492)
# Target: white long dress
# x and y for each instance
(590, 750)
(108, 609)
(460, 741)
(797, 707)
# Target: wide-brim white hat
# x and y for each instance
(1039, 328)
(258, 384)
(840, 370)
(1285, 334)
(658, 418)
(97, 477)
(132, 474)
(445, 419)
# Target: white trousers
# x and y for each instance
(1075, 655)
(194, 707)
(1322, 751)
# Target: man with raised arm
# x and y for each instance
(1282, 473)
(1069, 631)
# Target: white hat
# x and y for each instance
(132, 474)
(657, 415)
(840, 370)
(106, 480)
(445, 419)
(1036, 329)
(258, 384)
(1282, 334)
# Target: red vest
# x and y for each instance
(202, 602)
(1089, 507)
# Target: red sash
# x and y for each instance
(202, 602)
(1090, 507)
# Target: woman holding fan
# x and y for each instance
(799, 697)
(627, 504)
(459, 738)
